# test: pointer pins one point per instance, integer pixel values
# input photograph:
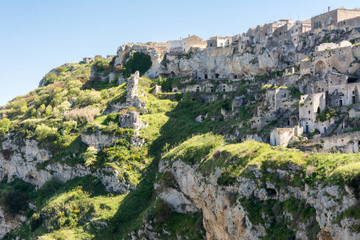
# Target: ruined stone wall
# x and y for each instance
(346, 14)
(194, 42)
(325, 19)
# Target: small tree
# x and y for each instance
(43, 132)
(90, 156)
(4, 126)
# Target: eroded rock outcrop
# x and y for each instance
(22, 162)
(226, 217)
(9, 222)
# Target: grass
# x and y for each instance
(78, 208)
(272, 212)
(210, 152)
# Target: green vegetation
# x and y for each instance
(70, 104)
(138, 62)
(295, 93)
(275, 213)
(210, 151)
(327, 114)
(5, 124)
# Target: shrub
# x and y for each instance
(138, 62)
(88, 97)
(14, 202)
(327, 114)
(90, 156)
(101, 65)
(4, 126)
(43, 132)
(50, 78)
(18, 106)
(82, 114)
(48, 110)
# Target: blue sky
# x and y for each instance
(38, 35)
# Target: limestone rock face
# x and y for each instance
(22, 163)
(225, 218)
(98, 140)
(213, 62)
(155, 52)
(9, 222)
(132, 120)
(177, 200)
(132, 93)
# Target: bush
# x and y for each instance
(14, 202)
(327, 114)
(50, 78)
(4, 126)
(88, 97)
(90, 156)
(18, 106)
(101, 65)
(84, 114)
(138, 62)
(43, 132)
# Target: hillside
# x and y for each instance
(254, 141)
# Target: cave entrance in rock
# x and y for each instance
(320, 67)
(293, 121)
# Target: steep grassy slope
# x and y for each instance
(70, 103)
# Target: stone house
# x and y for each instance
(300, 27)
(349, 24)
(278, 98)
(309, 107)
(282, 136)
(343, 90)
(218, 42)
(88, 60)
(184, 44)
(340, 58)
(331, 19)
(282, 32)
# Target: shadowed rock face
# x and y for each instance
(131, 120)
(224, 217)
(9, 222)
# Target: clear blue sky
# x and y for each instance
(38, 35)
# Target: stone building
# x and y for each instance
(300, 27)
(282, 136)
(343, 90)
(278, 98)
(88, 60)
(283, 31)
(339, 59)
(219, 42)
(331, 19)
(309, 107)
(349, 24)
(184, 44)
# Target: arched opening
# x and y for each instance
(355, 95)
(307, 128)
(293, 121)
(217, 75)
(318, 110)
(320, 67)
(172, 74)
(271, 192)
